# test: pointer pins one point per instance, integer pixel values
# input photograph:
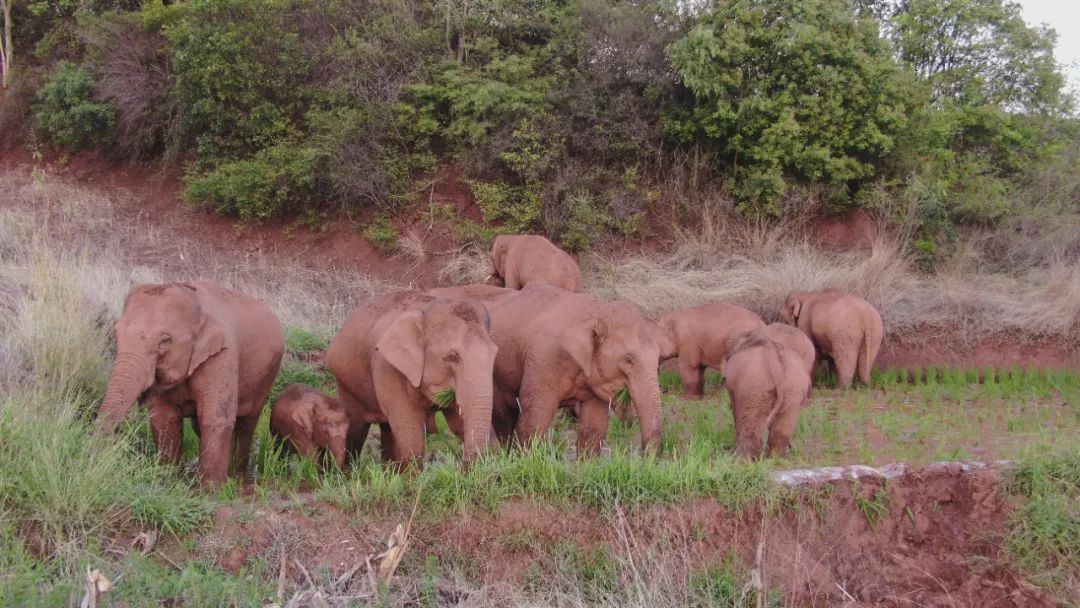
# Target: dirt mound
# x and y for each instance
(853, 536)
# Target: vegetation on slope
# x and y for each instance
(571, 117)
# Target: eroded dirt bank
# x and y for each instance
(925, 537)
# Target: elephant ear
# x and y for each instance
(498, 256)
(664, 331)
(403, 346)
(301, 418)
(581, 340)
(793, 307)
(209, 342)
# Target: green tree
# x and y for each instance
(782, 89)
(976, 52)
(67, 113)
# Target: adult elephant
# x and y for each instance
(194, 350)
(844, 327)
(521, 260)
(558, 348)
(702, 337)
(392, 358)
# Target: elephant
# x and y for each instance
(195, 350)
(701, 338)
(559, 348)
(520, 260)
(842, 326)
(475, 291)
(792, 338)
(768, 385)
(395, 354)
(309, 420)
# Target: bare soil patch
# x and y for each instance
(928, 537)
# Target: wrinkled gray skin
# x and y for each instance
(558, 348)
(200, 351)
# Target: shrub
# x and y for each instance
(275, 181)
(781, 89)
(67, 114)
(240, 73)
(382, 234)
(134, 75)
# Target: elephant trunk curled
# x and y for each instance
(474, 397)
(645, 392)
(132, 373)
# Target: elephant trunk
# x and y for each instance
(474, 398)
(132, 373)
(645, 392)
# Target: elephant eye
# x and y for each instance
(165, 340)
(628, 359)
(452, 357)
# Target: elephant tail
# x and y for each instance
(776, 382)
(868, 351)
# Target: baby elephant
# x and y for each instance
(309, 420)
(768, 385)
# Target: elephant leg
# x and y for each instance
(593, 421)
(214, 390)
(407, 433)
(748, 428)
(244, 432)
(538, 407)
(783, 426)
(167, 427)
(845, 360)
(693, 377)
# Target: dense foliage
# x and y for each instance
(572, 117)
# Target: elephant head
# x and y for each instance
(618, 347)
(445, 346)
(330, 428)
(162, 337)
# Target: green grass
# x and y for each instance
(1044, 533)
(300, 341)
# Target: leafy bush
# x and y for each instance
(274, 182)
(66, 112)
(781, 89)
(382, 234)
(239, 71)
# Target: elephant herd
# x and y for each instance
(498, 359)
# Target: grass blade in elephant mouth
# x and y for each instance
(622, 397)
(445, 398)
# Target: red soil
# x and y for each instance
(934, 540)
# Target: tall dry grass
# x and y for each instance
(755, 265)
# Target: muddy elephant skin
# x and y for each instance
(520, 260)
(395, 354)
(768, 385)
(842, 326)
(558, 348)
(308, 420)
(702, 338)
(195, 350)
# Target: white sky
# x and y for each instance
(1064, 17)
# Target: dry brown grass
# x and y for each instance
(469, 265)
(755, 265)
(113, 254)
